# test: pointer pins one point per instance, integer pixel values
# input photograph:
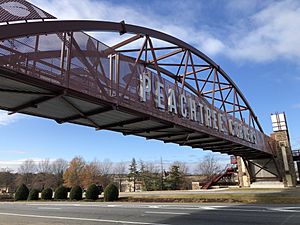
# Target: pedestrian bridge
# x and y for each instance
(148, 83)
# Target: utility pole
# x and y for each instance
(162, 174)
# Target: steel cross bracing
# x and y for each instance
(54, 70)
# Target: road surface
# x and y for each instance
(84, 213)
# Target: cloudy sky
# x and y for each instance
(256, 42)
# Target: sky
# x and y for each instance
(256, 42)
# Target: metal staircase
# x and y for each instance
(227, 172)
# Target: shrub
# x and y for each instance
(22, 193)
(76, 193)
(111, 193)
(33, 195)
(61, 193)
(47, 194)
(92, 192)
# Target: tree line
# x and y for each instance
(78, 172)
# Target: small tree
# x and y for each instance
(175, 178)
(47, 194)
(76, 193)
(61, 193)
(111, 193)
(72, 176)
(133, 172)
(92, 192)
(91, 174)
(150, 176)
(33, 195)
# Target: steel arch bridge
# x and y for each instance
(148, 84)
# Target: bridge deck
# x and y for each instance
(24, 94)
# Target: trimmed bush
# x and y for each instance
(33, 195)
(92, 193)
(22, 193)
(111, 193)
(61, 193)
(76, 193)
(47, 194)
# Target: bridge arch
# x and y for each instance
(61, 54)
(48, 27)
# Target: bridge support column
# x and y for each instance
(271, 172)
(243, 173)
(278, 171)
(285, 156)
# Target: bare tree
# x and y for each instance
(183, 168)
(105, 167)
(26, 172)
(209, 166)
(44, 177)
(151, 167)
(28, 166)
(44, 166)
(119, 171)
(58, 167)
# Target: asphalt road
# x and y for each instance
(63, 213)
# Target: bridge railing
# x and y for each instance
(74, 60)
(77, 61)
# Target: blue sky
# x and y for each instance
(256, 42)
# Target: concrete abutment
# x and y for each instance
(277, 172)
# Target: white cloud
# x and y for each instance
(272, 33)
(6, 119)
(259, 31)
(15, 164)
(176, 25)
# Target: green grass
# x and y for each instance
(275, 196)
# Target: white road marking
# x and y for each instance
(175, 207)
(286, 209)
(167, 213)
(208, 208)
(114, 205)
(49, 208)
(53, 204)
(250, 210)
(80, 219)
